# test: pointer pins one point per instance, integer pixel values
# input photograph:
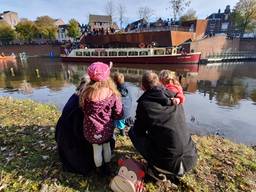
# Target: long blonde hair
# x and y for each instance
(167, 76)
(94, 86)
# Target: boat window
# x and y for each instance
(112, 53)
(122, 53)
(159, 52)
(95, 53)
(79, 53)
(132, 53)
(103, 53)
(168, 51)
(87, 53)
(143, 53)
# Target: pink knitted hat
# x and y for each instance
(98, 71)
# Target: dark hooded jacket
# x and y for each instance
(164, 126)
(74, 150)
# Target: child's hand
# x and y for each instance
(176, 101)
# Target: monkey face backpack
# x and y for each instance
(129, 178)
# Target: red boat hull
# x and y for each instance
(166, 59)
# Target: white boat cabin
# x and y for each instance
(125, 52)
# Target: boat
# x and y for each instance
(168, 55)
(7, 57)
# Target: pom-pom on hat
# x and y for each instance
(98, 71)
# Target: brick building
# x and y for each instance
(219, 22)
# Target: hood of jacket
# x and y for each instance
(158, 94)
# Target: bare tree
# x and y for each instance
(121, 14)
(109, 8)
(189, 15)
(145, 12)
(178, 6)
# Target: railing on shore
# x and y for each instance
(163, 28)
(225, 57)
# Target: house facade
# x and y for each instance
(58, 22)
(10, 17)
(219, 22)
(100, 22)
(62, 33)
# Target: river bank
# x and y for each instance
(29, 160)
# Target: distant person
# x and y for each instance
(102, 105)
(170, 81)
(126, 101)
(160, 133)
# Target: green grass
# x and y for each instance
(29, 160)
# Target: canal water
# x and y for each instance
(220, 98)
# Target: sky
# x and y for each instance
(80, 9)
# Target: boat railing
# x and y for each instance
(121, 52)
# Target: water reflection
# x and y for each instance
(220, 98)
(228, 83)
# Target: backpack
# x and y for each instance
(129, 178)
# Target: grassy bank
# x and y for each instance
(29, 161)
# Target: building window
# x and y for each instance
(226, 17)
(224, 26)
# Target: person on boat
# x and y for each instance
(170, 81)
(101, 104)
(160, 133)
(126, 101)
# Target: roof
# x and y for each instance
(65, 26)
(215, 16)
(100, 18)
(5, 12)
